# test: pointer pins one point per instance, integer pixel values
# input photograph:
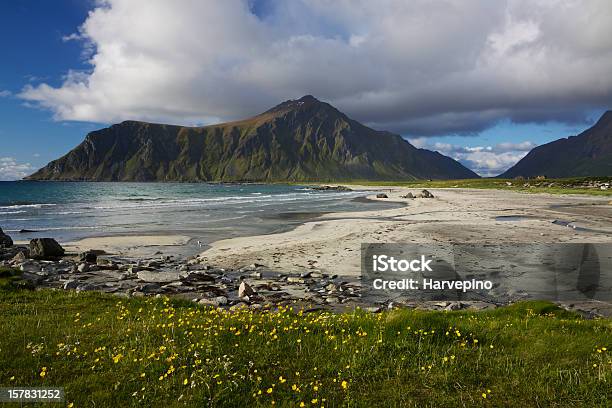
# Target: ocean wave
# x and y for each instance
(12, 212)
(141, 199)
(44, 229)
(262, 199)
(14, 206)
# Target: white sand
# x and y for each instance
(332, 242)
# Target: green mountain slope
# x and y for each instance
(299, 140)
(588, 154)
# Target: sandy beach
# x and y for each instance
(332, 242)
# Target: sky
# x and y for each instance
(481, 81)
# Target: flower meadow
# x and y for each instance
(108, 351)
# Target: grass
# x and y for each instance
(560, 186)
(10, 279)
(108, 351)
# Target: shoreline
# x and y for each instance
(331, 243)
(317, 263)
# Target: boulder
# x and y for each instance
(157, 277)
(149, 287)
(245, 290)
(216, 301)
(19, 257)
(71, 284)
(45, 248)
(5, 240)
(409, 195)
(381, 195)
(88, 256)
(426, 194)
(86, 287)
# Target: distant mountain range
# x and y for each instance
(588, 154)
(298, 140)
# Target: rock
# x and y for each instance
(83, 268)
(88, 256)
(454, 306)
(133, 269)
(86, 287)
(373, 309)
(157, 277)
(409, 195)
(245, 290)
(149, 288)
(381, 195)
(32, 267)
(71, 284)
(20, 257)
(426, 194)
(45, 248)
(216, 301)
(106, 264)
(31, 277)
(5, 240)
(295, 279)
(125, 276)
(194, 276)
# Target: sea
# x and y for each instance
(69, 211)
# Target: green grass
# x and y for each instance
(10, 279)
(561, 186)
(109, 352)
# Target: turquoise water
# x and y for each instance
(206, 212)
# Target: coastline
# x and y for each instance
(317, 263)
(331, 243)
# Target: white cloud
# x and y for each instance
(487, 161)
(420, 67)
(5, 93)
(11, 169)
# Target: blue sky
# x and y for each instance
(33, 51)
(61, 79)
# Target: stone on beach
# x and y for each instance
(20, 257)
(245, 290)
(5, 240)
(45, 248)
(157, 277)
(425, 194)
(381, 195)
(88, 256)
(216, 301)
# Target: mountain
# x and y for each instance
(588, 154)
(298, 140)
